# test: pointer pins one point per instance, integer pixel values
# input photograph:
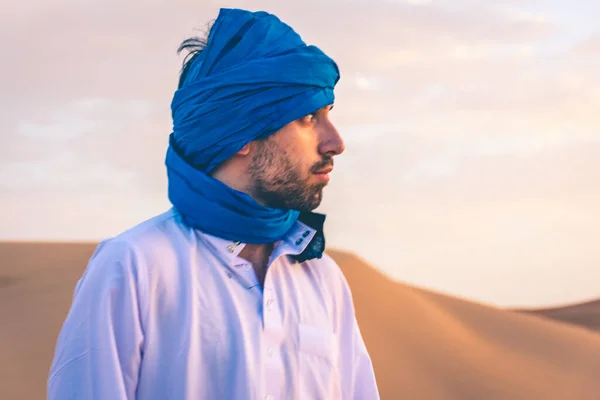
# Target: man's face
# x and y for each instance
(290, 168)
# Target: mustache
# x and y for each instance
(325, 163)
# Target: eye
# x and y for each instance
(309, 119)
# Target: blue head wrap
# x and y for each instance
(254, 76)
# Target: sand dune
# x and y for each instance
(424, 345)
(430, 346)
(585, 314)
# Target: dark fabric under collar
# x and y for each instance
(316, 247)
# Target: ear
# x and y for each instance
(244, 151)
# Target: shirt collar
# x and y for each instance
(294, 243)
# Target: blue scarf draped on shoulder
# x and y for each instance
(254, 76)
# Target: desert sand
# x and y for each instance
(424, 345)
(585, 314)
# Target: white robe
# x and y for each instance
(164, 311)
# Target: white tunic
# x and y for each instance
(164, 311)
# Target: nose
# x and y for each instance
(331, 143)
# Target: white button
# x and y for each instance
(269, 397)
(271, 352)
(270, 304)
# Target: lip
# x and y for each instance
(324, 171)
(324, 174)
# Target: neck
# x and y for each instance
(258, 255)
(237, 181)
(256, 252)
(229, 174)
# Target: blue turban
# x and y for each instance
(254, 76)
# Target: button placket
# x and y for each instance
(272, 341)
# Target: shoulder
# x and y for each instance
(156, 236)
(127, 266)
(336, 291)
(328, 270)
(155, 231)
(128, 255)
(331, 278)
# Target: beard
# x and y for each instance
(279, 183)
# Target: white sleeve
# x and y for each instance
(358, 375)
(98, 351)
(365, 384)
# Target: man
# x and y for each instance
(228, 295)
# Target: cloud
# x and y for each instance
(84, 144)
(81, 117)
(588, 47)
(64, 171)
(368, 82)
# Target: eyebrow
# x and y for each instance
(328, 108)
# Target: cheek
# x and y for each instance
(301, 142)
(291, 157)
(299, 163)
(291, 166)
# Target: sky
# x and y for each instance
(472, 162)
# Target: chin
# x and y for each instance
(316, 203)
